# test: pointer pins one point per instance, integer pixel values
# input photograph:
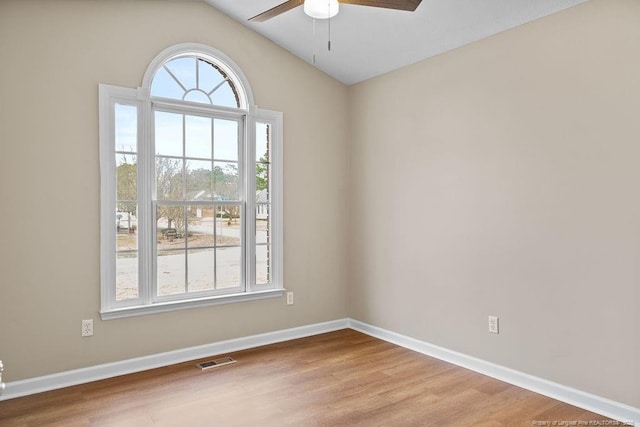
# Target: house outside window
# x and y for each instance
(191, 188)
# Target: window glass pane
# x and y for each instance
(168, 134)
(169, 178)
(184, 69)
(201, 270)
(263, 166)
(165, 86)
(225, 180)
(126, 128)
(225, 136)
(263, 264)
(225, 96)
(263, 244)
(208, 76)
(198, 137)
(126, 252)
(126, 238)
(126, 276)
(263, 176)
(170, 227)
(200, 226)
(228, 267)
(126, 226)
(199, 180)
(262, 223)
(263, 135)
(171, 272)
(228, 225)
(126, 177)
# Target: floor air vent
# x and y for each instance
(215, 363)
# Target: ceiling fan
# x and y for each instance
(322, 9)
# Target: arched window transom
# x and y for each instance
(195, 79)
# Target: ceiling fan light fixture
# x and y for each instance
(321, 9)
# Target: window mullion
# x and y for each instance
(185, 107)
(242, 174)
(185, 220)
(250, 201)
(145, 205)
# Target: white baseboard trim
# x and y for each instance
(590, 402)
(109, 370)
(599, 405)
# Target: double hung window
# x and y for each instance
(191, 188)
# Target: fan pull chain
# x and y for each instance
(313, 41)
(329, 36)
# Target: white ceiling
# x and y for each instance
(368, 41)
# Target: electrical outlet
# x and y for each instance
(494, 326)
(87, 327)
(289, 298)
(1, 383)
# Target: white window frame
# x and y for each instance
(147, 301)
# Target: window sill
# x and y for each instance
(162, 307)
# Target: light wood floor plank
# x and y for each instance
(342, 378)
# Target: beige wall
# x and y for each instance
(53, 55)
(503, 178)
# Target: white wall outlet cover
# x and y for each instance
(87, 327)
(494, 326)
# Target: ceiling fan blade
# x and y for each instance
(409, 5)
(275, 11)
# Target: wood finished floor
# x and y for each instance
(341, 378)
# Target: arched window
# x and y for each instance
(193, 78)
(191, 188)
